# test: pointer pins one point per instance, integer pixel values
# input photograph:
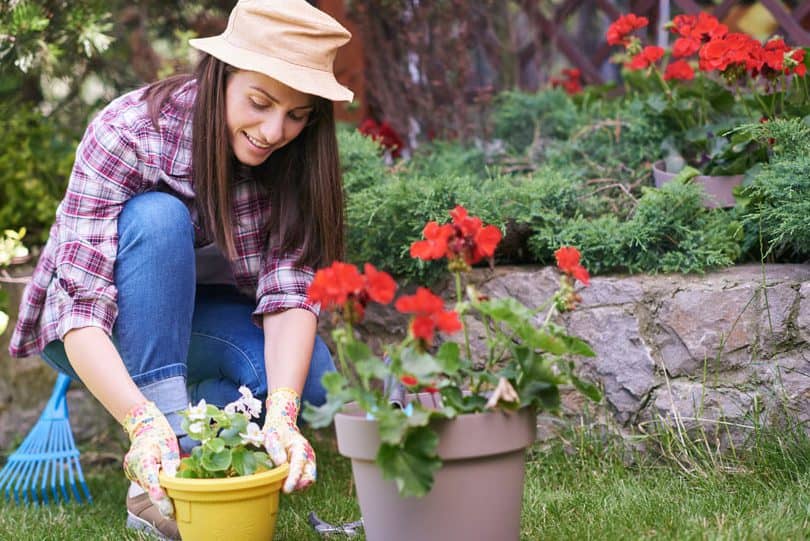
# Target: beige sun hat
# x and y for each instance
(288, 40)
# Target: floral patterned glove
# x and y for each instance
(284, 441)
(154, 446)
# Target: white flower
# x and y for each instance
(196, 428)
(253, 406)
(254, 435)
(246, 404)
(198, 412)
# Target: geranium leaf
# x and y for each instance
(370, 368)
(393, 423)
(321, 416)
(230, 436)
(411, 465)
(448, 357)
(419, 364)
(577, 346)
(587, 388)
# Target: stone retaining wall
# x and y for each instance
(718, 350)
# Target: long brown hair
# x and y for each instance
(303, 178)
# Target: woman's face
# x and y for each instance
(262, 115)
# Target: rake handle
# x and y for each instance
(57, 405)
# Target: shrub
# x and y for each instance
(777, 201)
(34, 170)
(519, 117)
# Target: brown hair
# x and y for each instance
(303, 178)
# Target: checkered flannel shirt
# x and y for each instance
(121, 155)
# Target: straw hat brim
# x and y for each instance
(305, 79)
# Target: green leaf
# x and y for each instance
(587, 388)
(577, 346)
(214, 445)
(448, 357)
(333, 382)
(215, 462)
(321, 416)
(411, 465)
(419, 364)
(371, 368)
(541, 394)
(243, 461)
(392, 424)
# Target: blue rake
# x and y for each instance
(47, 462)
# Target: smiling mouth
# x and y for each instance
(256, 142)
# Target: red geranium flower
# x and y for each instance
(648, 56)
(680, 69)
(333, 285)
(408, 380)
(623, 26)
(342, 285)
(571, 82)
(568, 262)
(384, 134)
(379, 285)
(466, 238)
(429, 314)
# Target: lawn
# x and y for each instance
(586, 495)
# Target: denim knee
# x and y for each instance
(321, 363)
(158, 218)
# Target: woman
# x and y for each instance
(184, 197)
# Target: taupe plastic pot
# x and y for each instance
(476, 495)
(718, 190)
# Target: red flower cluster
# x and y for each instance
(618, 33)
(429, 315)
(648, 56)
(731, 54)
(342, 285)
(568, 262)
(465, 239)
(571, 81)
(384, 134)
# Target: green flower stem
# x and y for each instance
(460, 311)
(668, 92)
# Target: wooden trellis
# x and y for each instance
(554, 26)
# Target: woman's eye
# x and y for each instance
(258, 104)
(298, 117)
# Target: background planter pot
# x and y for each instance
(718, 188)
(477, 493)
(238, 508)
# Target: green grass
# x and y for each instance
(591, 494)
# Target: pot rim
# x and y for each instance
(228, 483)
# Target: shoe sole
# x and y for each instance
(136, 523)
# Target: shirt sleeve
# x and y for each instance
(283, 285)
(107, 172)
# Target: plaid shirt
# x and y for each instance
(120, 156)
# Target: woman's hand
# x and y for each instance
(284, 441)
(154, 447)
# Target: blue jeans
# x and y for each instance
(181, 342)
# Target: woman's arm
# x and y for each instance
(289, 337)
(154, 446)
(97, 363)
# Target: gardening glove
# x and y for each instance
(154, 446)
(284, 442)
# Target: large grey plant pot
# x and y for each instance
(718, 190)
(477, 493)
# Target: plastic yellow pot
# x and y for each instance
(232, 509)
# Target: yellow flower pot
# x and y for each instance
(233, 509)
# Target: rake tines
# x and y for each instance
(47, 460)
